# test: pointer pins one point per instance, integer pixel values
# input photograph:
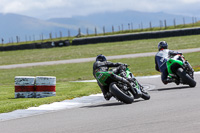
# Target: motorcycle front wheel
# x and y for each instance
(126, 97)
(145, 96)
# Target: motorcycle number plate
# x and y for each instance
(100, 75)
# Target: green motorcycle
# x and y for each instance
(123, 89)
(180, 70)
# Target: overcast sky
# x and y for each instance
(45, 9)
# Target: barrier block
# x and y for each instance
(45, 86)
(24, 87)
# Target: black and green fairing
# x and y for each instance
(173, 61)
(105, 78)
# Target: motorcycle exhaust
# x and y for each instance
(118, 78)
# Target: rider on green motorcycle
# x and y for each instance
(101, 64)
(160, 60)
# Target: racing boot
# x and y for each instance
(176, 81)
(170, 80)
(107, 96)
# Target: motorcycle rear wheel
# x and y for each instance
(185, 77)
(120, 95)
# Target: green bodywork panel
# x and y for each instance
(103, 76)
(170, 62)
(127, 72)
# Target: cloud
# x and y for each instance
(14, 6)
(67, 8)
(191, 1)
(24, 5)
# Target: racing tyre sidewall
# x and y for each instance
(145, 96)
(120, 95)
(185, 77)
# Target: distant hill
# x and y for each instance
(116, 19)
(28, 28)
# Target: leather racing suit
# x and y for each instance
(103, 67)
(161, 59)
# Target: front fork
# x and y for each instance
(137, 87)
(189, 69)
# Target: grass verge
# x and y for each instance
(92, 50)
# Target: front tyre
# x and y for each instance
(145, 96)
(127, 97)
(185, 77)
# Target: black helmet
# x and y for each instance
(101, 58)
(162, 45)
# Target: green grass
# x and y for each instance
(70, 72)
(92, 50)
(64, 91)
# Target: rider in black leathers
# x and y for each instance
(160, 60)
(101, 64)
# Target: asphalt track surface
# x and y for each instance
(171, 109)
(81, 60)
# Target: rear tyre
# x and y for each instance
(127, 98)
(185, 77)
